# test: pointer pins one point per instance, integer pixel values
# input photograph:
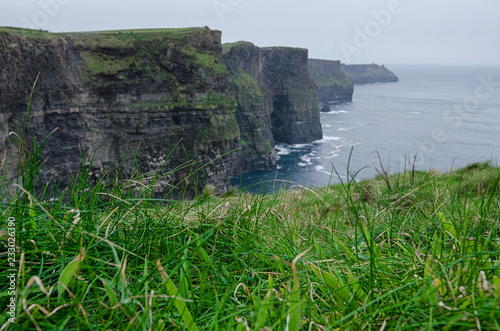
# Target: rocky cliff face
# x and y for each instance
(254, 108)
(333, 85)
(277, 100)
(369, 73)
(296, 117)
(112, 95)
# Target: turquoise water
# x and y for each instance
(447, 117)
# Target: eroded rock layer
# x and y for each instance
(333, 85)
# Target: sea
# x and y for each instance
(436, 117)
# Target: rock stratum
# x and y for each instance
(369, 73)
(332, 82)
(125, 100)
(276, 100)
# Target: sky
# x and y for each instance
(354, 31)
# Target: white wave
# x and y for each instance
(322, 170)
(347, 129)
(327, 125)
(282, 151)
(333, 112)
(306, 161)
(415, 112)
(299, 146)
(332, 155)
(306, 158)
(326, 139)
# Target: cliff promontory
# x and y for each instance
(333, 85)
(116, 95)
(277, 100)
(369, 73)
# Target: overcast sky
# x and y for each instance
(354, 31)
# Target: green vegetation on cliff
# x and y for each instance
(105, 64)
(332, 81)
(145, 55)
(245, 83)
(27, 32)
(143, 31)
(207, 61)
(227, 47)
(412, 251)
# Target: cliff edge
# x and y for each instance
(369, 73)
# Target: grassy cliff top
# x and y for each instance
(27, 32)
(325, 61)
(283, 48)
(227, 46)
(140, 31)
(124, 32)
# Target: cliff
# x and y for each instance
(114, 95)
(333, 85)
(296, 117)
(125, 100)
(254, 108)
(369, 73)
(277, 100)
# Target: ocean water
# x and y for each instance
(437, 117)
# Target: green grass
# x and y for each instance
(166, 30)
(207, 61)
(107, 64)
(212, 63)
(246, 84)
(332, 80)
(45, 34)
(28, 32)
(421, 255)
(227, 46)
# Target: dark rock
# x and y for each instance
(254, 108)
(277, 101)
(296, 116)
(333, 85)
(369, 73)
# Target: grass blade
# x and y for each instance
(293, 318)
(179, 304)
(69, 272)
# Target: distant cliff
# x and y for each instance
(333, 85)
(277, 100)
(369, 73)
(114, 95)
